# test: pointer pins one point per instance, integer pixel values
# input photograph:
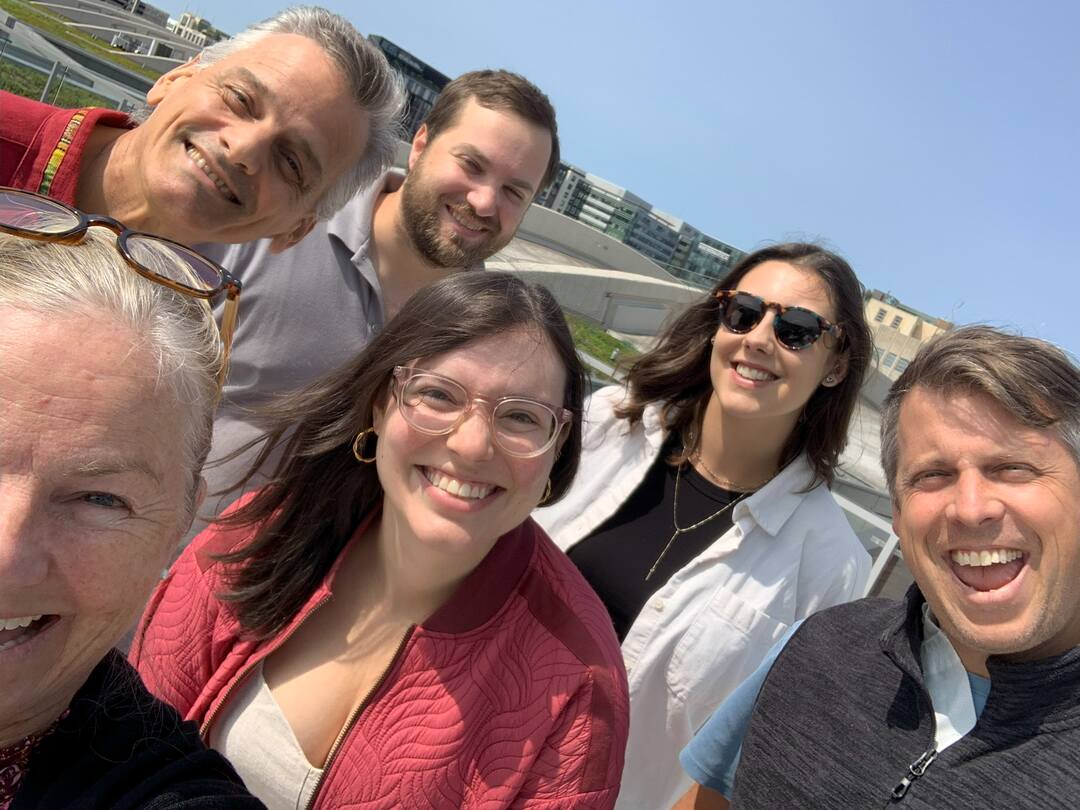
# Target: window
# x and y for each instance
(880, 315)
(901, 364)
(890, 358)
(896, 322)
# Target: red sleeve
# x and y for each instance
(176, 647)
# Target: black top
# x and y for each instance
(119, 748)
(844, 720)
(616, 557)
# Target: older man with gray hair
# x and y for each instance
(967, 694)
(259, 136)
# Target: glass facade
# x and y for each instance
(422, 82)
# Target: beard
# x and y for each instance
(421, 221)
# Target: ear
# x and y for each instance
(839, 369)
(419, 144)
(284, 241)
(166, 81)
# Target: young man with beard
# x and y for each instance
(260, 135)
(488, 146)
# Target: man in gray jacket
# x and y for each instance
(966, 694)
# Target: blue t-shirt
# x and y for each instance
(712, 757)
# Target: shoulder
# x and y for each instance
(843, 625)
(119, 747)
(562, 601)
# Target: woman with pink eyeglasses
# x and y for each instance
(382, 625)
(703, 518)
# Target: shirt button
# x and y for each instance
(657, 603)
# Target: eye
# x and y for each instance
(103, 500)
(470, 165)
(238, 99)
(432, 396)
(516, 194)
(927, 479)
(293, 169)
(1016, 472)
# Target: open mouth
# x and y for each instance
(754, 374)
(198, 160)
(465, 490)
(20, 629)
(987, 569)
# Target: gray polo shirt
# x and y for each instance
(303, 313)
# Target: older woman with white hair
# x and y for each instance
(107, 387)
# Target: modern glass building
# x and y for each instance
(423, 83)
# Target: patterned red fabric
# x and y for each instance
(29, 134)
(513, 694)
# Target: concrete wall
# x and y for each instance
(554, 230)
(613, 298)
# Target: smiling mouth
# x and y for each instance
(469, 223)
(20, 629)
(467, 490)
(987, 569)
(754, 374)
(198, 160)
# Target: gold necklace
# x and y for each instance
(675, 521)
(727, 483)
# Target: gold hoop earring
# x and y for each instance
(358, 445)
(547, 493)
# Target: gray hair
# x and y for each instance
(1033, 380)
(92, 277)
(375, 87)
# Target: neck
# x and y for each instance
(744, 454)
(400, 268)
(409, 580)
(14, 730)
(109, 180)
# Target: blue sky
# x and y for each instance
(935, 144)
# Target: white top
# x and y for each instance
(259, 742)
(788, 554)
(948, 684)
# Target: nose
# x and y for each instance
(482, 199)
(975, 501)
(761, 337)
(472, 439)
(245, 145)
(24, 561)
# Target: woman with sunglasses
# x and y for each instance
(702, 517)
(382, 624)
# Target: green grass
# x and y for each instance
(27, 82)
(53, 24)
(590, 338)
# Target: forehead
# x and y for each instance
(61, 410)
(957, 426)
(513, 145)
(518, 362)
(789, 285)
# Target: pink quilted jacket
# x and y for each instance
(512, 694)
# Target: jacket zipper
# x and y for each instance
(915, 770)
(242, 677)
(354, 716)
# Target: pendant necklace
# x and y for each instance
(675, 520)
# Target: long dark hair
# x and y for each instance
(318, 492)
(676, 372)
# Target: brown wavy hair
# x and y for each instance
(318, 493)
(676, 372)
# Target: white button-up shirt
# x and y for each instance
(787, 554)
